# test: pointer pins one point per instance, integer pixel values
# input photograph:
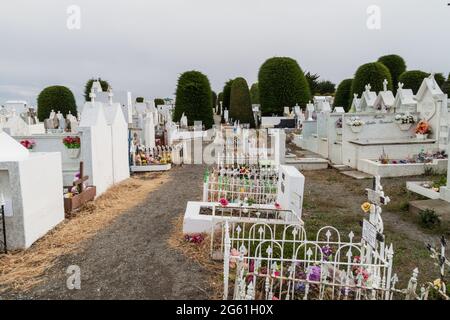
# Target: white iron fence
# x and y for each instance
(285, 265)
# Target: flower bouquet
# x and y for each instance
(73, 145)
(422, 130)
(29, 144)
(356, 124)
(404, 121)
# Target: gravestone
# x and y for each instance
(31, 184)
(291, 184)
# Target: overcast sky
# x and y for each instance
(143, 45)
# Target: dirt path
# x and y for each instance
(131, 259)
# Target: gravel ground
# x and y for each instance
(131, 259)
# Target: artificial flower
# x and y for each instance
(366, 207)
(223, 202)
(437, 283)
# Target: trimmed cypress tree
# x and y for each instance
(446, 86)
(372, 73)
(412, 79)
(140, 99)
(396, 66)
(254, 93)
(440, 79)
(159, 102)
(88, 86)
(58, 98)
(227, 94)
(281, 84)
(240, 102)
(193, 98)
(343, 96)
(213, 99)
(326, 87)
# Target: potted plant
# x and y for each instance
(404, 121)
(73, 145)
(356, 124)
(339, 126)
(422, 130)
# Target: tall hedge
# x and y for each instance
(254, 93)
(87, 87)
(193, 98)
(326, 87)
(343, 97)
(240, 102)
(440, 79)
(372, 73)
(281, 84)
(58, 98)
(396, 66)
(413, 79)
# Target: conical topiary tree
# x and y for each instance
(254, 93)
(446, 86)
(281, 84)
(213, 99)
(58, 98)
(343, 96)
(159, 102)
(396, 66)
(240, 102)
(193, 98)
(87, 88)
(227, 94)
(372, 73)
(412, 79)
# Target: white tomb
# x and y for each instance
(405, 100)
(367, 101)
(31, 189)
(291, 184)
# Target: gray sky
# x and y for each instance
(143, 45)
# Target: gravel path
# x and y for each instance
(131, 259)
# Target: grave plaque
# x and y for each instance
(369, 233)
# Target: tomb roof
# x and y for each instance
(11, 149)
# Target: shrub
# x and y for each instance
(87, 88)
(240, 102)
(343, 97)
(440, 79)
(159, 102)
(372, 73)
(326, 87)
(254, 93)
(412, 79)
(429, 219)
(140, 99)
(396, 66)
(58, 98)
(193, 98)
(281, 84)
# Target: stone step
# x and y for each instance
(342, 167)
(358, 175)
(308, 163)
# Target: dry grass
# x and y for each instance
(21, 270)
(200, 254)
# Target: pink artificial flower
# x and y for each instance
(223, 202)
(277, 206)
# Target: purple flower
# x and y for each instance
(327, 252)
(314, 273)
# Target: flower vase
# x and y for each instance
(73, 153)
(356, 129)
(404, 126)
